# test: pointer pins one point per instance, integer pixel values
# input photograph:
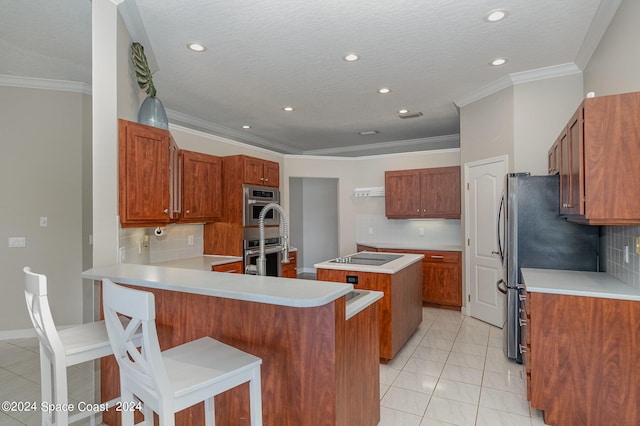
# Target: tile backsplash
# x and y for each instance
(616, 238)
(177, 242)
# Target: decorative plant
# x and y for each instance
(143, 73)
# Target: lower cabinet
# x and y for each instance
(289, 270)
(441, 276)
(233, 267)
(582, 359)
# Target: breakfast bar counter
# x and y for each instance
(309, 346)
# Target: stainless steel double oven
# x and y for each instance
(272, 249)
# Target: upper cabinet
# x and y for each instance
(201, 187)
(147, 159)
(423, 193)
(261, 172)
(599, 180)
(159, 184)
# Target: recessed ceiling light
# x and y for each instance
(246, 126)
(288, 108)
(368, 132)
(403, 111)
(196, 47)
(384, 90)
(352, 57)
(496, 15)
(498, 61)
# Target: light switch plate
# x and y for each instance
(17, 242)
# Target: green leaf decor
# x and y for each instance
(143, 73)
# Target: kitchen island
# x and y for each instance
(399, 277)
(298, 327)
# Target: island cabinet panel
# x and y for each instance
(201, 183)
(147, 160)
(583, 358)
(305, 352)
(400, 309)
(599, 180)
(423, 193)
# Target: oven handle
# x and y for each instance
(267, 250)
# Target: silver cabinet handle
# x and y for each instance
(437, 257)
(522, 322)
(188, 211)
(523, 297)
(165, 211)
(266, 179)
(523, 349)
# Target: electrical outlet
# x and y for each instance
(43, 221)
(626, 254)
(122, 254)
(190, 240)
(371, 230)
(421, 232)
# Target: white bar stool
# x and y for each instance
(62, 349)
(170, 381)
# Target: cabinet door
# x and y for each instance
(253, 171)
(575, 134)
(201, 186)
(289, 269)
(144, 178)
(440, 192)
(271, 173)
(233, 268)
(565, 172)
(442, 279)
(402, 193)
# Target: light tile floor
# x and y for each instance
(452, 371)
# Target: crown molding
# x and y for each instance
(222, 131)
(601, 20)
(45, 84)
(446, 139)
(370, 157)
(517, 78)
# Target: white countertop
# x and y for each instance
(388, 268)
(272, 290)
(578, 283)
(203, 263)
(413, 246)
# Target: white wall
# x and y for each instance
(41, 175)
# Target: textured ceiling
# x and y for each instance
(263, 55)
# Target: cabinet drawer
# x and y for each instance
(441, 256)
(233, 267)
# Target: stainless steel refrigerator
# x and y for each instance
(536, 236)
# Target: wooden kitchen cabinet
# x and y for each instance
(261, 172)
(581, 359)
(147, 175)
(201, 183)
(599, 180)
(289, 270)
(233, 267)
(554, 159)
(442, 279)
(400, 309)
(441, 276)
(423, 193)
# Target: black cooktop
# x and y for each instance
(366, 258)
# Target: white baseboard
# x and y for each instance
(307, 270)
(17, 334)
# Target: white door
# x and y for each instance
(484, 182)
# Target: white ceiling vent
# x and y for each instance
(369, 192)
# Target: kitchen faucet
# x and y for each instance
(261, 263)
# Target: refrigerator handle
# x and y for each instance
(500, 249)
(501, 289)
